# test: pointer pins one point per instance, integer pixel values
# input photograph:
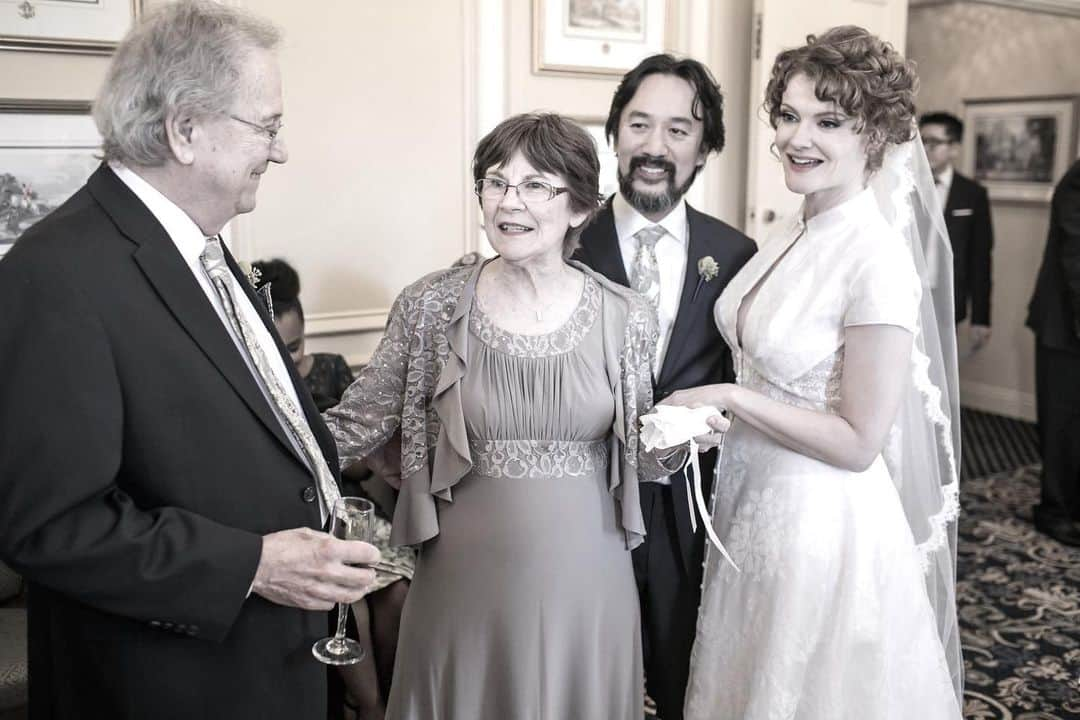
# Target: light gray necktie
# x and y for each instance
(213, 260)
(645, 273)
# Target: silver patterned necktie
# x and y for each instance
(213, 261)
(645, 273)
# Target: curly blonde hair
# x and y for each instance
(861, 73)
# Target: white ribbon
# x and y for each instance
(694, 490)
(669, 426)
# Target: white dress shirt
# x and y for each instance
(190, 242)
(944, 184)
(671, 251)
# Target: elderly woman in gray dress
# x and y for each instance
(516, 384)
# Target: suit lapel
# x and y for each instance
(307, 404)
(688, 305)
(608, 259)
(164, 268)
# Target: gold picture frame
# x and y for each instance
(47, 150)
(580, 37)
(1019, 147)
(87, 27)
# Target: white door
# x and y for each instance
(782, 24)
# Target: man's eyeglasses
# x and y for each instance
(270, 131)
(931, 143)
(530, 191)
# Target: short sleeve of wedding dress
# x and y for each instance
(885, 289)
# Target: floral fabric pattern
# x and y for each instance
(412, 384)
(1019, 600)
(538, 458)
(563, 340)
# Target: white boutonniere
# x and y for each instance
(254, 277)
(707, 269)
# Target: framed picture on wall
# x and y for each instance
(598, 37)
(47, 151)
(609, 163)
(1019, 147)
(79, 26)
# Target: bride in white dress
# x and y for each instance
(837, 494)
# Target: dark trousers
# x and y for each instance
(1057, 393)
(669, 603)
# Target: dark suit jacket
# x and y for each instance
(696, 353)
(141, 464)
(1054, 311)
(967, 218)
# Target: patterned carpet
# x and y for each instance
(1019, 604)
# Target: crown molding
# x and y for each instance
(345, 323)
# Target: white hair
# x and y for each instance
(184, 58)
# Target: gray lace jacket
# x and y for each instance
(413, 383)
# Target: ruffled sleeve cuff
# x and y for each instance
(416, 517)
(624, 368)
(626, 495)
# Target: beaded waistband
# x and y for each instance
(538, 458)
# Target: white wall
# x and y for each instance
(464, 65)
(373, 194)
(384, 103)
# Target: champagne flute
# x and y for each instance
(350, 519)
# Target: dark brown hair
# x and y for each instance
(861, 73)
(954, 126)
(552, 144)
(708, 104)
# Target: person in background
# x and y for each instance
(1054, 315)
(378, 613)
(326, 374)
(967, 218)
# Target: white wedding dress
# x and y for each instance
(829, 618)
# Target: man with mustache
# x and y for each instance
(665, 119)
(165, 472)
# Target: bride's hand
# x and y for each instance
(701, 396)
(708, 441)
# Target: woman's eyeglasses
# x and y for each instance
(530, 191)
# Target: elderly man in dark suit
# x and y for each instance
(967, 218)
(1054, 315)
(165, 476)
(665, 119)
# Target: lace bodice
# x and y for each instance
(557, 342)
(817, 389)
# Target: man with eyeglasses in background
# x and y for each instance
(666, 117)
(165, 474)
(967, 218)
